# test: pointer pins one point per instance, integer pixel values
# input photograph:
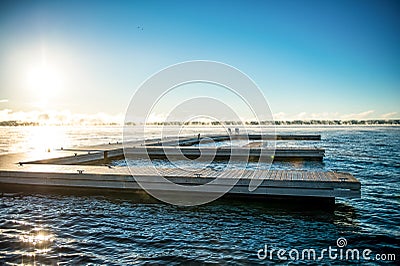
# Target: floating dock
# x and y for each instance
(275, 183)
(75, 168)
(225, 153)
(175, 147)
(190, 141)
(222, 153)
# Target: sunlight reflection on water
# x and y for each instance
(55, 229)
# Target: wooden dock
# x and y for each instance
(76, 168)
(275, 183)
(175, 147)
(225, 153)
(190, 141)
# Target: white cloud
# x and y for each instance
(326, 116)
(389, 115)
(280, 116)
(60, 117)
(156, 117)
(362, 115)
(301, 116)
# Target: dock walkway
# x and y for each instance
(276, 182)
(70, 168)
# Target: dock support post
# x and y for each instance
(105, 155)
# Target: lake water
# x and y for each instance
(71, 229)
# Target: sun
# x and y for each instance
(44, 80)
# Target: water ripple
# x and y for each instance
(57, 229)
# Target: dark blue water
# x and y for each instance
(56, 229)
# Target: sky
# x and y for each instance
(311, 59)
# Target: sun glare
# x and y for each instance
(44, 80)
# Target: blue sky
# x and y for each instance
(312, 59)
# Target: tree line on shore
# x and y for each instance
(226, 123)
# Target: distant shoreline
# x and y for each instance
(370, 122)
